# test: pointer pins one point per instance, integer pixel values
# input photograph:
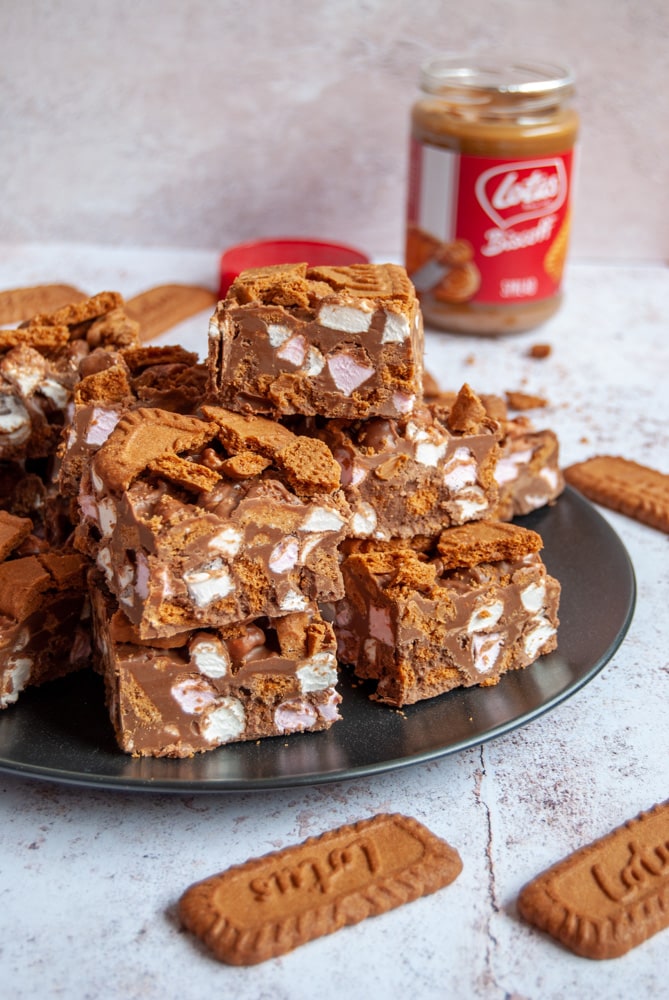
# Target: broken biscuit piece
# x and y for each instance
(306, 462)
(489, 541)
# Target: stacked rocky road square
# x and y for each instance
(434, 596)
(295, 505)
(44, 630)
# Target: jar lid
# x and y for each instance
(284, 250)
(479, 78)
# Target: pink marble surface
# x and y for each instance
(188, 124)
(89, 879)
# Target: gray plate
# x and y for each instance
(61, 732)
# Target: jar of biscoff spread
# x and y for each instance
(490, 174)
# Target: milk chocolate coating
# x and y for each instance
(413, 476)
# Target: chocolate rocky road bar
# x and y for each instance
(39, 369)
(206, 687)
(202, 523)
(42, 609)
(421, 624)
(334, 341)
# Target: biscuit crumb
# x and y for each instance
(539, 351)
(524, 400)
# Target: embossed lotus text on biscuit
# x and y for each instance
(316, 874)
(645, 869)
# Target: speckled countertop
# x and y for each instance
(89, 878)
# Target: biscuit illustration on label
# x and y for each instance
(421, 247)
(556, 256)
(459, 284)
(456, 253)
(270, 905)
(610, 896)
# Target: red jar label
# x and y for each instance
(487, 230)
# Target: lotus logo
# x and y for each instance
(517, 192)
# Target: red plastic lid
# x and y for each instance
(284, 250)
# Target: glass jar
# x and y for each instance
(488, 211)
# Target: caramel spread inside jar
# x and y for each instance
(489, 193)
